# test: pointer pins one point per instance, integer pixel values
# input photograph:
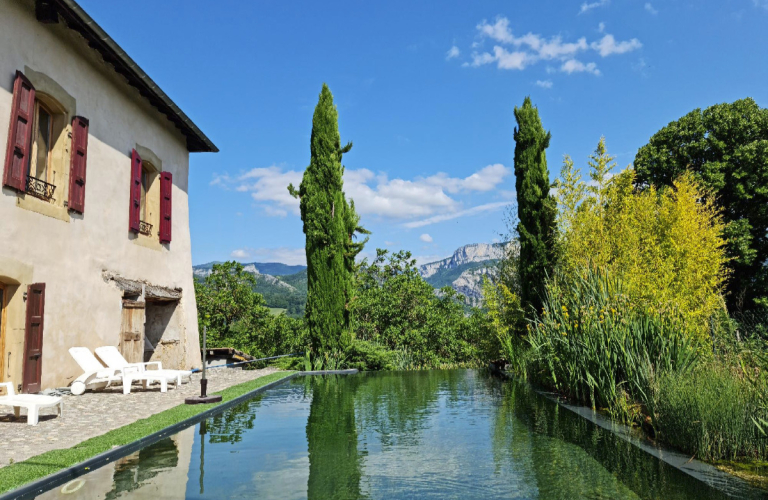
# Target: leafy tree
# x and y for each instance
(395, 307)
(535, 206)
(726, 148)
(330, 224)
(664, 245)
(228, 306)
(236, 316)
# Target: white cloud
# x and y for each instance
(545, 84)
(650, 8)
(575, 66)
(589, 6)
(488, 207)
(374, 194)
(239, 254)
(285, 255)
(761, 3)
(452, 52)
(519, 52)
(426, 238)
(499, 31)
(270, 186)
(608, 46)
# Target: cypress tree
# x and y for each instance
(330, 224)
(536, 209)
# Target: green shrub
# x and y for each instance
(710, 412)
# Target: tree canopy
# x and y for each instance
(725, 146)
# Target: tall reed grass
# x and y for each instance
(593, 344)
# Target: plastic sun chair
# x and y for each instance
(112, 357)
(96, 376)
(32, 402)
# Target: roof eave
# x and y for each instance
(78, 20)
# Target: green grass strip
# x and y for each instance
(14, 475)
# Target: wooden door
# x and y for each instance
(132, 331)
(2, 332)
(33, 339)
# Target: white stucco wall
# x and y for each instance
(70, 255)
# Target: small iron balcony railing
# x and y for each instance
(39, 188)
(145, 228)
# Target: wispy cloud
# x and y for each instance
(374, 193)
(575, 66)
(609, 46)
(513, 52)
(585, 7)
(426, 238)
(488, 207)
(649, 8)
(286, 255)
(452, 53)
(761, 3)
(545, 84)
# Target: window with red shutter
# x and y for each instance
(19, 133)
(78, 163)
(166, 206)
(134, 210)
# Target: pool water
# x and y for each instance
(456, 434)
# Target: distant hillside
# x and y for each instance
(283, 286)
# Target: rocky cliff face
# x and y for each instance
(464, 270)
(476, 252)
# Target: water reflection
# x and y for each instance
(435, 434)
(157, 471)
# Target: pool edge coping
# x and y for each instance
(658, 451)
(39, 486)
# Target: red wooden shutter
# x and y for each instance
(134, 211)
(33, 339)
(19, 133)
(77, 164)
(166, 206)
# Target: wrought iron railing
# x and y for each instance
(39, 188)
(145, 228)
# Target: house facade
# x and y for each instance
(94, 218)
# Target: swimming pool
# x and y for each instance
(454, 434)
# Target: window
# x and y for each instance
(150, 193)
(39, 166)
(49, 138)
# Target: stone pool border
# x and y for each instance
(36, 487)
(702, 471)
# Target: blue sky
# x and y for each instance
(426, 91)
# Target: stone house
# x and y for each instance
(94, 217)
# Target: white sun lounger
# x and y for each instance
(32, 402)
(112, 357)
(96, 376)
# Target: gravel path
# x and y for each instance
(95, 413)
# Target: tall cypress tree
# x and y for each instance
(535, 207)
(330, 224)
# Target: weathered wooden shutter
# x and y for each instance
(33, 339)
(134, 211)
(166, 206)
(19, 133)
(77, 164)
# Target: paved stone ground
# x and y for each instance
(95, 413)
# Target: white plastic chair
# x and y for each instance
(112, 357)
(96, 376)
(32, 402)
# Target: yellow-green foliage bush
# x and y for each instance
(664, 245)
